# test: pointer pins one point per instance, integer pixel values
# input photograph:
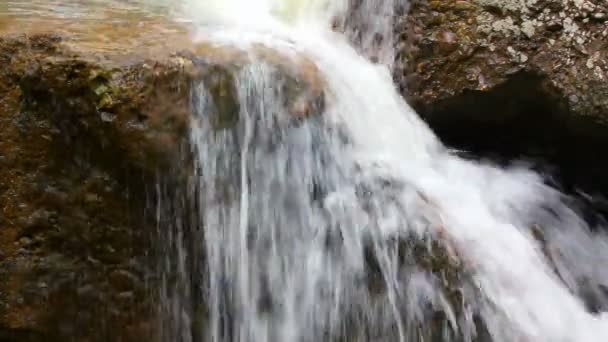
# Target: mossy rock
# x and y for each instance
(84, 143)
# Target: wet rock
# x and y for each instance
(21, 335)
(500, 37)
(511, 77)
(126, 298)
(88, 292)
(40, 219)
(123, 280)
(86, 139)
(25, 241)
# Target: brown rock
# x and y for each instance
(89, 134)
(513, 77)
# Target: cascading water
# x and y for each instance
(357, 224)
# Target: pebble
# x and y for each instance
(40, 218)
(123, 280)
(573, 99)
(127, 295)
(25, 241)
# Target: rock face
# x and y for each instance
(85, 141)
(78, 142)
(526, 76)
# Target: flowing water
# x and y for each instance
(309, 228)
(357, 224)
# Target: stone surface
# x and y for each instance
(72, 196)
(478, 45)
(85, 136)
(518, 77)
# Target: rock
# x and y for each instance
(518, 77)
(88, 292)
(123, 280)
(40, 219)
(493, 35)
(22, 335)
(25, 241)
(89, 135)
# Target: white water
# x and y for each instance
(288, 212)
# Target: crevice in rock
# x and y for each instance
(527, 119)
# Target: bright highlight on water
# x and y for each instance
(317, 233)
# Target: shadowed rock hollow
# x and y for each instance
(512, 78)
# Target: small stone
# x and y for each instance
(87, 291)
(25, 241)
(580, 40)
(573, 99)
(127, 295)
(93, 261)
(123, 280)
(528, 28)
(107, 117)
(39, 219)
(92, 198)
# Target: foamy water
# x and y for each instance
(288, 242)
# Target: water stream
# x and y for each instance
(355, 224)
(310, 228)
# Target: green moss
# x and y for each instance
(101, 90)
(105, 102)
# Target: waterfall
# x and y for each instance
(357, 224)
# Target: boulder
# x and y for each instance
(516, 77)
(87, 137)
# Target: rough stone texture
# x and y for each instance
(480, 44)
(77, 141)
(526, 75)
(84, 139)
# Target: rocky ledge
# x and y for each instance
(90, 142)
(85, 139)
(512, 77)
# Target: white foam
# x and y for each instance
(482, 211)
